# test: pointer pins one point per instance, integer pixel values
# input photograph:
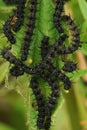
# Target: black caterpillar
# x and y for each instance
(19, 13)
(8, 33)
(51, 104)
(44, 47)
(58, 18)
(16, 71)
(29, 31)
(75, 37)
(14, 22)
(69, 66)
(6, 53)
(59, 75)
(40, 102)
(57, 15)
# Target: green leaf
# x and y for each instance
(83, 37)
(77, 74)
(3, 70)
(83, 7)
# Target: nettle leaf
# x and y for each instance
(77, 74)
(84, 38)
(3, 70)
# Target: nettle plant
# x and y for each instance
(42, 40)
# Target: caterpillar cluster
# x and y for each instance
(45, 69)
(58, 18)
(29, 31)
(14, 22)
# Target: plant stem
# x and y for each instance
(72, 109)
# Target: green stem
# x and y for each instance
(72, 109)
(79, 100)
